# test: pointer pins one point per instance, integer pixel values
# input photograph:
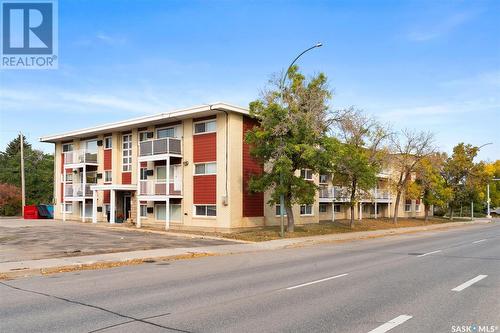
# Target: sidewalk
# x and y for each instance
(54, 265)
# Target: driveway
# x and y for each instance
(41, 239)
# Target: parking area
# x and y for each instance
(40, 239)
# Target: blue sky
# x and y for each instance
(427, 65)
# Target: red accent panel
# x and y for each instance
(144, 164)
(253, 203)
(126, 177)
(108, 159)
(205, 189)
(107, 196)
(62, 192)
(205, 147)
(62, 162)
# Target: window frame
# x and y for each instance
(110, 138)
(108, 172)
(325, 205)
(326, 179)
(306, 171)
(205, 169)
(66, 206)
(128, 165)
(212, 120)
(195, 213)
(277, 212)
(141, 207)
(165, 128)
(65, 145)
(305, 210)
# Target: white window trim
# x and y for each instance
(276, 206)
(323, 183)
(111, 173)
(67, 144)
(305, 174)
(306, 214)
(205, 121)
(67, 205)
(105, 138)
(140, 210)
(323, 204)
(205, 216)
(139, 136)
(407, 205)
(129, 169)
(204, 174)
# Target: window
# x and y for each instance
(323, 207)
(323, 179)
(69, 207)
(205, 127)
(108, 176)
(205, 168)
(278, 213)
(306, 174)
(69, 177)
(67, 147)
(107, 208)
(408, 206)
(417, 205)
(205, 210)
(127, 152)
(144, 211)
(91, 147)
(165, 133)
(143, 136)
(108, 142)
(306, 210)
(144, 173)
(336, 208)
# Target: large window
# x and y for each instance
(67, 147)
(205, 210)
(127, 152)
(306, 210)
(144, 173)
(161, 212)
(323, 207)
(205, 168)
(278, 210)
(205, 127)
(144, 211)
(408, 206)
(165, 133)
(69, 207)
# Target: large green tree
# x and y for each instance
(39, 171)
(291, 136)
(360, 156)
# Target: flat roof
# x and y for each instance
(196, 111)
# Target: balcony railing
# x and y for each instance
(159, 187)
(80, 156)
(160, 146)
(76, 190)
(341, 194)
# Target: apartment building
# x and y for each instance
(185, 169)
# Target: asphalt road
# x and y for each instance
(442, 281)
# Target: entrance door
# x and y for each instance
(126, 206)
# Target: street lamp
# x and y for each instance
(487, 190)
(282, 85)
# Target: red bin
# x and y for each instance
(30, 212)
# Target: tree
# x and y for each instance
(39, 171)
(360, 156)
(429, 185)
(466, 179)
(291, 136)
(10, 200)
(493, 171)
(409, 148)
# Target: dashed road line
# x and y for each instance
(469, 283)
(391, 324)
(426, 254)
(317, 281)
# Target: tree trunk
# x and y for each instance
(451, 213)
(396, 208)
(289, 213)
(352, 216)
(426, 210)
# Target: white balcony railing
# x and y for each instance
(160, 146)
(341, 194)
(80, 156)
(76, 190)
(154, 187)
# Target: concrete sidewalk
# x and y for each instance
(44, 266)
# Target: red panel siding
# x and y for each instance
(107, 195)
(144, 164)
(205, 147)
(126, 177)
(108, 158)
(62, 192)
(205, 189)
(253, 203)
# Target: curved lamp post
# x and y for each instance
(282, 84)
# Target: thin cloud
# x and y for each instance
(439, 29)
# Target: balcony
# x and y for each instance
(76, 190)
(80, 157)
(157, 187)
(160, 147)
(342, 195)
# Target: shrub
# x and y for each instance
(10, 200)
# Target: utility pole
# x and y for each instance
(23, 192)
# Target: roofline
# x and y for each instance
(173, 115)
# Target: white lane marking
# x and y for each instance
(391, 324)
(426, 254)
(479, 241)
(469, 283)
(317, 281)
